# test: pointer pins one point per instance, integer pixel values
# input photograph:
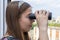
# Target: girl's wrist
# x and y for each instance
(43, 28)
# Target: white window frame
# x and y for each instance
(1, 18)
(3, 4)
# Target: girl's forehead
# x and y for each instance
(28, 11)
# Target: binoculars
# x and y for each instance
(32, 16)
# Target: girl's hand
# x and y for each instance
(42, 19)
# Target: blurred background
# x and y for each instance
(49, 5)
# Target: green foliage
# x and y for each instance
(34, 25)
(54, 24)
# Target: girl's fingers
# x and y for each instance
(36, 14)
(40, 12)
(47, 13)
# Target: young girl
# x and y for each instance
(18, 22)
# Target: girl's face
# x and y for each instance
(25, 22)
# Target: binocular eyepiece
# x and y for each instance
(32, 16)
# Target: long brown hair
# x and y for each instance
(13, 13)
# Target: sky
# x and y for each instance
(49, 5)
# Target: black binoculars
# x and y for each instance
(32, 16)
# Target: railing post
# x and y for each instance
(59, 34)
(53, 34)
(49, 33)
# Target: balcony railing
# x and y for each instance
(53, 33)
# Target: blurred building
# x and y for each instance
(58, 19)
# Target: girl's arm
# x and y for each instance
(42, 21)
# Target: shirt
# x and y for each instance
(9, 38)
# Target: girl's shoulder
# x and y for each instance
(8, 38)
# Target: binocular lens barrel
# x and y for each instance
(32, 16)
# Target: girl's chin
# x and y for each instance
(28, 29)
